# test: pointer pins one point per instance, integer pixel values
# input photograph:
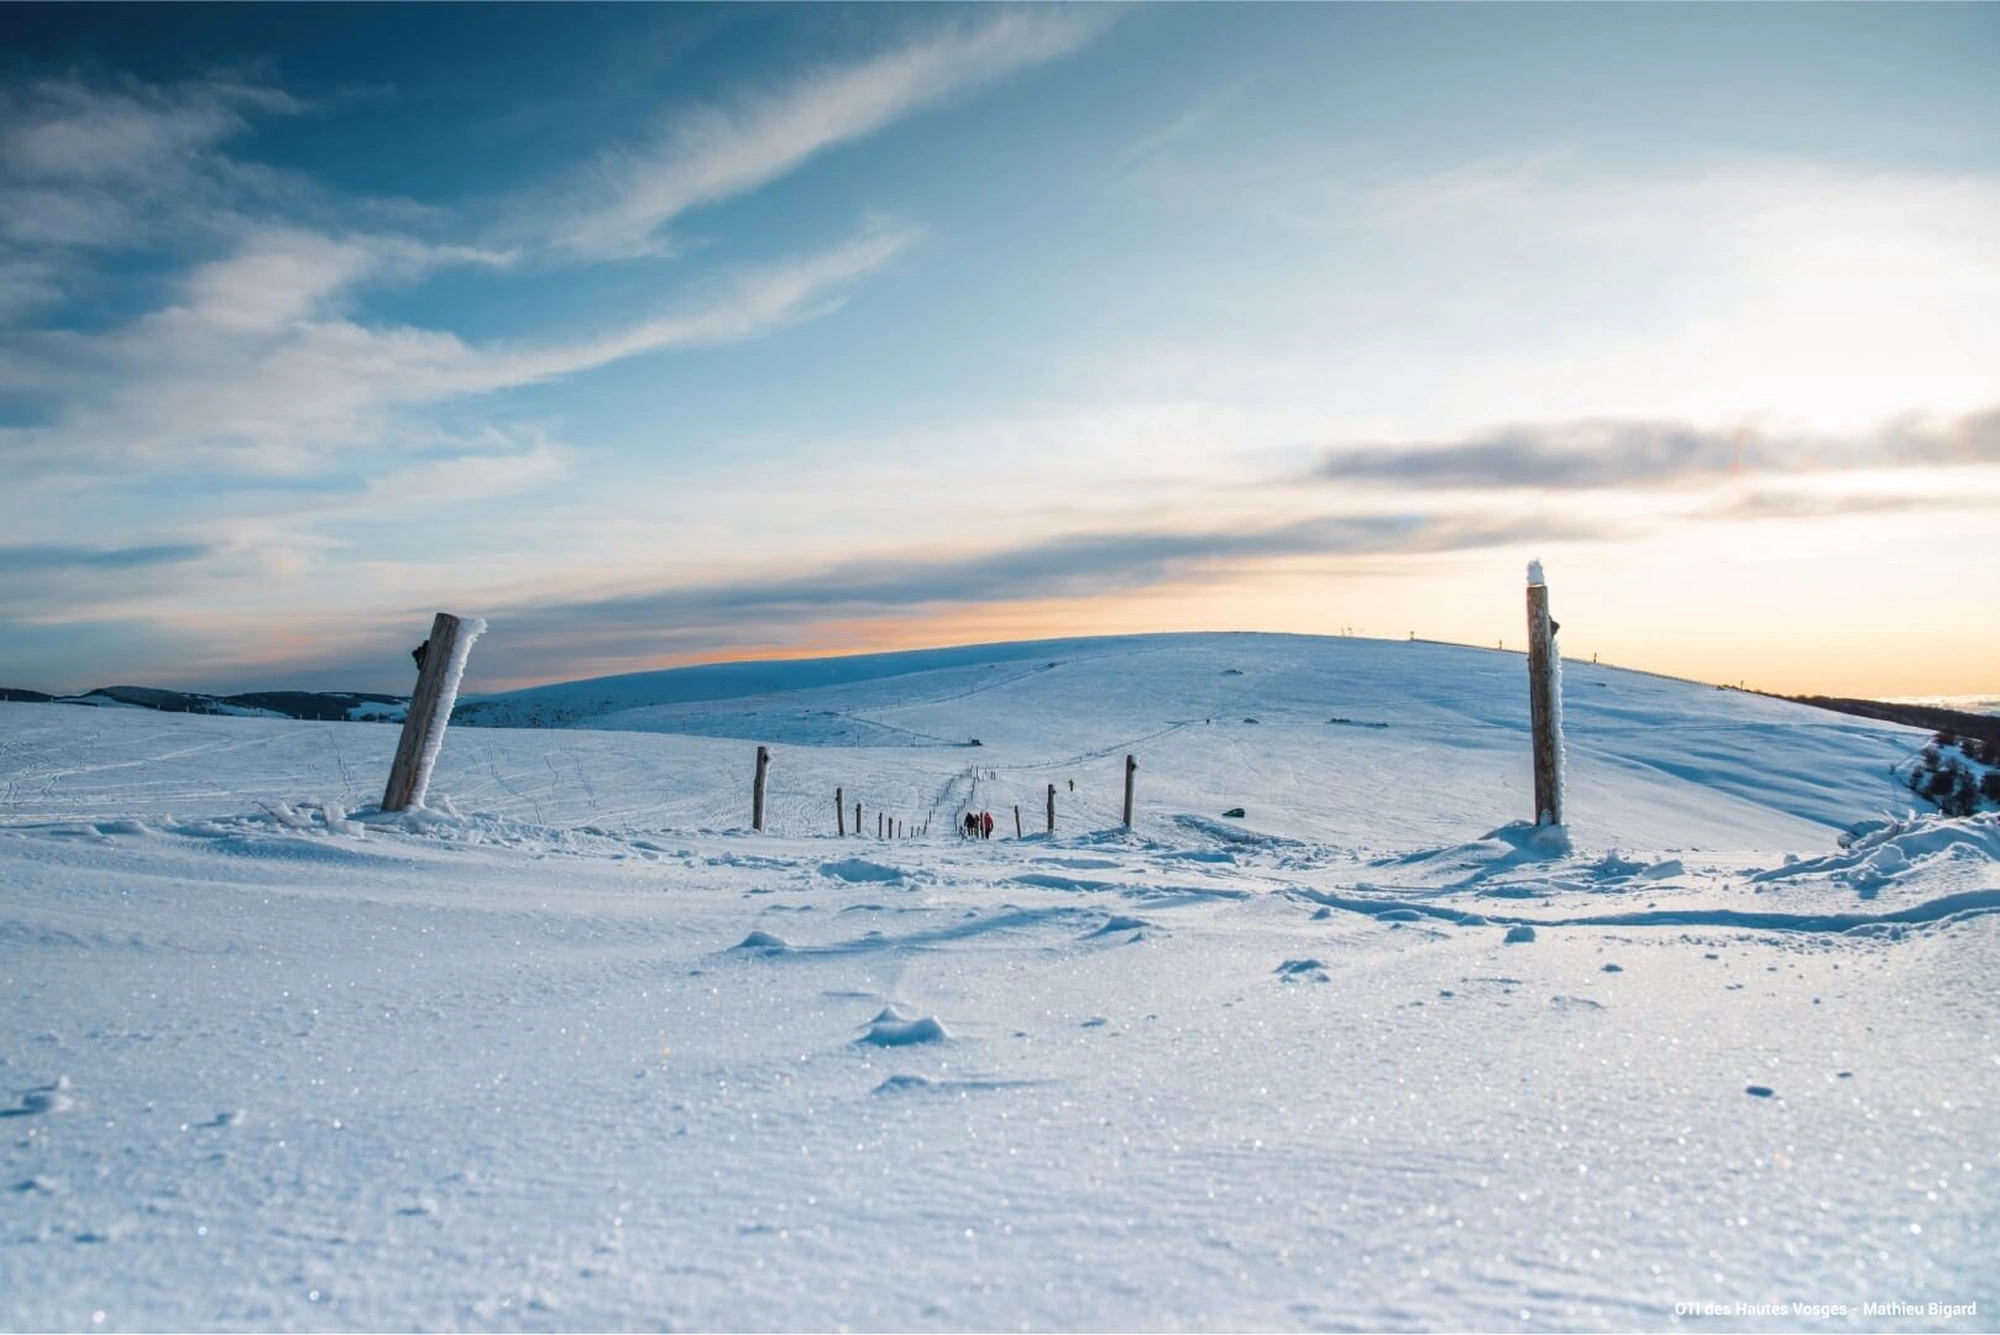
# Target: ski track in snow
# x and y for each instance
(574, 1049)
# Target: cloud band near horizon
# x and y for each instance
(1608, 454)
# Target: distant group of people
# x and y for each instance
(978, 825)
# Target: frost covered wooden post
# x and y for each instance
(1052, 808)
(840, 811)
(1131, 768)
(1544, 700)
(440, 665)
(757, 788)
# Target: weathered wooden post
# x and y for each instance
(1017, 820)
(1052, 808)
(757, 788)
(1131, 768)
(1544, 700)
(840, 811)
(440, 665)
(878, 825)
(857, 820)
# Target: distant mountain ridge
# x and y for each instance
(327, 706)
(1935, 717)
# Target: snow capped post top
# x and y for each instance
(1535, 572)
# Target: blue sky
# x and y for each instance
(682, 333)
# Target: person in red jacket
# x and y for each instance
(986, 825)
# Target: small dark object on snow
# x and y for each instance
(1249, 720)
(419, 652)
(974, 742)
(1758, 1091)
(1232, 672)
(1234, 813)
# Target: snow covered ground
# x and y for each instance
(575, 1049)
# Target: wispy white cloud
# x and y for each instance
(85, 165)
(67, 130)
(259, 369)
(283, 275)
(714, 153)
(496, 464)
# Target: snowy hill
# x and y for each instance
(576, 1049)
(1314, 737)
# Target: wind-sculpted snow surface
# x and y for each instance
(573, 1049)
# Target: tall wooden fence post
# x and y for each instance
(878, 825)
(757, 788)
(857, 820)
(1052, 808)
(1544, 701)
(440, 665)
(1131, 768)
(840, 811)
(1017, 820)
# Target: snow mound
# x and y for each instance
(893, 1029)
(1892, 850)
(859, 871)
(51, 1098)
(768, 942)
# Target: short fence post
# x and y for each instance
(1017, 820)
(440, 664)
(1544, 701)
(757, 789)
(878, 825)
(857, 820)
(1131, 768)
(1052, 808)
(840, 811)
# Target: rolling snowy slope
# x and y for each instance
(575, 1049)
